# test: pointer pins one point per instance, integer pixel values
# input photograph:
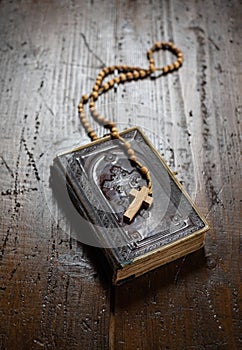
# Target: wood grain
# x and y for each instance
(53, 291)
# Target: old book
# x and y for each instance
(98, 178)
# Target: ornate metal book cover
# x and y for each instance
(99, 177)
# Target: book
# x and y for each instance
(98, 178)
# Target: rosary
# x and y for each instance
(143, 197)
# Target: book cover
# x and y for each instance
(99, 177)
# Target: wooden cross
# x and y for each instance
(142, 198)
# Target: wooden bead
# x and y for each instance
(158, 45)
(95, 95)
(85, 98)
(105, 121)
(116, 80)
(180, 55)
(101, 75)
(105, 86)
(98, 81)
(130, 76)
(125, 68)
(152, 68)
(122, 77)
(95, 114)
(171, 67)
(111, 83)
(144, 170)
(149, 54)
(176, 64)
(136, 74)
(115, 135)
(165, 69)
(180, 60)
(91, 104)
(114, 129)
(92, 134)
(142, 73)
(82, 116)
(131, 152)
(85, 124)
(89, 129)
(106, 70)
(100, 119)
(95, 88)
(118, 67)
(152, 61)
(133, 158)
(127, 145)
(111, 69)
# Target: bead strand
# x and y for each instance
(126, 74)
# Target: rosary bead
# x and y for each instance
(105, 86)
(142, 73)
(106, 70)
(180, 60)
(131, 152)
(176, 64)
(165, 69)
(133, 158)
(149, 54)
(180, 55)
(171, 67)
(105, 121)
(95, 114)
(125, 68)
(85, 98)
(100, 119)
(152, 68)
(98, 81)
(101, 75)
(115, 135)
(111, 83)
(114, 129)
(144, 170)
(130, 76)
(112, 125)
(82, 116)
(122, 77)
(158, 45)
(95, 95)
(86, 124)
(127, 145)
(91, 104)
(95, 87)
(92, 134)
(111, 69)
(152, 61)
(89, 129)
(117, 80)
(136, 74)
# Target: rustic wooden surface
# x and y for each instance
(53, 293)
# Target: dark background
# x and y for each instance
(53, 291)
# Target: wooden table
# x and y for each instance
(53, 292)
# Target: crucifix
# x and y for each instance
(141, 198)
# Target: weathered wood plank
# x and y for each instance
(52, 290)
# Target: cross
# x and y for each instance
(141, 198)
